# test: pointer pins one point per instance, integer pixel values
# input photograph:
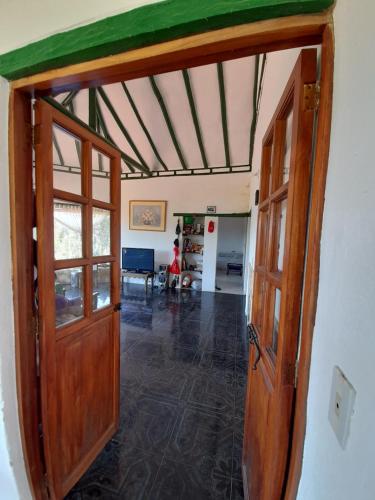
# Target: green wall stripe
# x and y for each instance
(168, 121)
(147, 25)
(142, 124)
(223, 106)
(194, 115)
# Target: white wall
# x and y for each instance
(26, 21)
(344, 330)
(13, 481)
(229, 192)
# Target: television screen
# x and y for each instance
(139, 260)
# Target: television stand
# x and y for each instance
(144, 276)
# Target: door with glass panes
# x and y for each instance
(278, 280)
(78, 241)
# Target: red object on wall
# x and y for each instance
(211, 226)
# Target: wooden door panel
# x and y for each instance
(257, 413)
(79, 323)
(87, 408)
(278, 280)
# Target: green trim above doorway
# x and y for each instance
(147, 25)
(205, 214)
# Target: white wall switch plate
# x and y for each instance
(341, 405)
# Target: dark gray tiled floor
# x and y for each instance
(183, 377)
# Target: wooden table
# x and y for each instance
(144, 276)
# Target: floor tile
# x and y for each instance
(182, 392)
(176, 481)
(237, 490)
(204, 439)
(119, 473)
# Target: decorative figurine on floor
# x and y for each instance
(175, 268)
(186, 282)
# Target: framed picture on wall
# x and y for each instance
(147, 215)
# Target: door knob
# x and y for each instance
(253, 339)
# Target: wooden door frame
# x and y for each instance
(195, 50)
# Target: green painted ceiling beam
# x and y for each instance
(70, 114)
(70, 106)
(254, 117)
(58, 149)
(194, 115)
(257, 90)
(68, 99)
(183, 173)
(143, 126)
(168, 121)
(223, 106)
(122, 127)
(103, 126)
(130, 163)
(92, 108)
(147, 25)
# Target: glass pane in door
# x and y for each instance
(67, 227)
(101, 168)
(288, 146)
(259, 292)
(276, 320)
(262, 236)
(67, 161)
(101, 232)
(282, 206)
(101, 278)
(68, 295)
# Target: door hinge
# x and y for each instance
(311, 96)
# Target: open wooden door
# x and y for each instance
(78, 240)
(278, 282)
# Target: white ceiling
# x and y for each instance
(239, 82)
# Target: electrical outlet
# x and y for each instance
(341, 406)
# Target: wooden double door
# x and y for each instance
(278, 283)
(78, 248)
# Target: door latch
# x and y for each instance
(117, 307)
(253, 339)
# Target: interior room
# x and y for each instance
(186, 141)
(230, 255)
(191, 131)
(186, 283)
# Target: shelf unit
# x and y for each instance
(192, 245)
